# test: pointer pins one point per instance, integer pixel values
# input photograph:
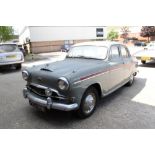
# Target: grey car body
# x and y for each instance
(105, 75)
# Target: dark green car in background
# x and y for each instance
(91, 70)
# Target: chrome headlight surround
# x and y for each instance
(63, 83)
(48, 92)
(25, 75)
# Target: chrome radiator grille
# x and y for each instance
(40, 91)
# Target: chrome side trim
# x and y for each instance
(76, 82)
(97, 74)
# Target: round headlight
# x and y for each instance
(63, 83)
(48, 92)
(25, 75)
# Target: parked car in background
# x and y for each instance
(10, 55)
(138, 43)
(151, 45)
(145, 55)
(66, 48)
(90, 71)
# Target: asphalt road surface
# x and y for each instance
(128, 107)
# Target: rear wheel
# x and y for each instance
(88, 103)
(131, 80)
(143, 61)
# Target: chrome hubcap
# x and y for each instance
(131, 79)
(89, 103)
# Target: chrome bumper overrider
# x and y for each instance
(48, 103)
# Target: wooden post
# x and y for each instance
(148, 39)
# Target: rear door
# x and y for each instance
(116, 73)
(127, 60)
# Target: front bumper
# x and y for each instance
(145, 58)
(48, 103)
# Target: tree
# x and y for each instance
(148, 31)
(125, 31)
(112, 35)
(6, 33)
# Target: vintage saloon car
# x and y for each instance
(91, 70)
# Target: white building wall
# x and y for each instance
(24, 34)
(135, 29)
(47, 33)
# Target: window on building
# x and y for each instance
(99, 32)
(68, 42)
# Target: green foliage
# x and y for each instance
(112, 35)
(6, 33)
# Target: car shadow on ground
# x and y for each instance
(150, 64)
(55, 118)
(8, 70)
(137, 87)
(110, 110)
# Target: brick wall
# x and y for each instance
(47, 46)
(80, 41)
(50, 46)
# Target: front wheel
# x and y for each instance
(88, 103)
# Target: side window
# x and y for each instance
(124, 52)
(114, 53)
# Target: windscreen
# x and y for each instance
(88, 51)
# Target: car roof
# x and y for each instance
(98, 43)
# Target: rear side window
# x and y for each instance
(114, 52)
(124, 52)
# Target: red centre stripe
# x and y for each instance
(94, 74)
(101, 72)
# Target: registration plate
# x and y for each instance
(11, 56)
(41, 108)
(145, 58)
